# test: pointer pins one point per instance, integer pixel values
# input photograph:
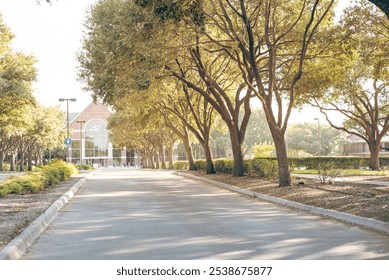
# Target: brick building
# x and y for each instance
(95, 148)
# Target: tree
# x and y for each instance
(307, 138)
(237, 49)
(17, 73)
(47, 132)
(221, 89)
(191, 109)
(140, 127)
(361, 94)
(269, 42)
(383, 5)
(109, 53)
(202, 70)
(257, 131)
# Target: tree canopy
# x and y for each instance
(361, 93)
(186, 59)
(26, 128)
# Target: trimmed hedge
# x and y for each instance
(264, 168)
(40, 178)
(267, 167)
(181, 165)
(224, 165)
(337, 162)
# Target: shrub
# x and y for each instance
(38, 179)
(6, 166)
(327, 171)
(345, 162)
(181, 165)
(224, 165)
(84, 167)
(262, 167)
(201, 164)
(263, 150)
(10, 185)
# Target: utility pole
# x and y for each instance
(318, 134)
(67, 142)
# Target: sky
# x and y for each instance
(53, 34)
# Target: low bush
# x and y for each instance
(341, 162)
(201, 164)
(6, 166)
(224, 165)
(181, 165)
(38, 179)
(262, 167)
(267, 167)
(84, 167)
(327, 172)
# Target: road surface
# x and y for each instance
(143, 215)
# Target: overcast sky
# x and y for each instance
(53, 34)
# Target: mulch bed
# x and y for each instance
(370, 201)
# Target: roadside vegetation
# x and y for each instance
(39, 179)
(183, 71)
(27, 129)
(326, 167)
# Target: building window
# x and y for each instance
(96, 139)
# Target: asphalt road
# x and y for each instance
(134, 214)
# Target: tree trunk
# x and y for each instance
(2, 156)
(22, 161)
(189, 155)
(151, 161)
(12, 163)
(36, 158)
(162, 154)
(29, 168)
(157, 160)
(171, 154)
(282, 159)
(144, 162)
(237, 152)
(208, 158)
(374, 161)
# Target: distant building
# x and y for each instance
(95, 148)
(357, 146)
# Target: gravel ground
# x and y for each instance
(18, 211)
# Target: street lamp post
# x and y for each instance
(318, 134)
(67, 118)
(81, 122)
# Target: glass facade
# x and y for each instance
(96, 139)
(97, 150)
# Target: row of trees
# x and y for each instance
(186, 65)
(26, 129)
(302, 139)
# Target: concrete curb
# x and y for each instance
(19, 245)
(345, 217)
